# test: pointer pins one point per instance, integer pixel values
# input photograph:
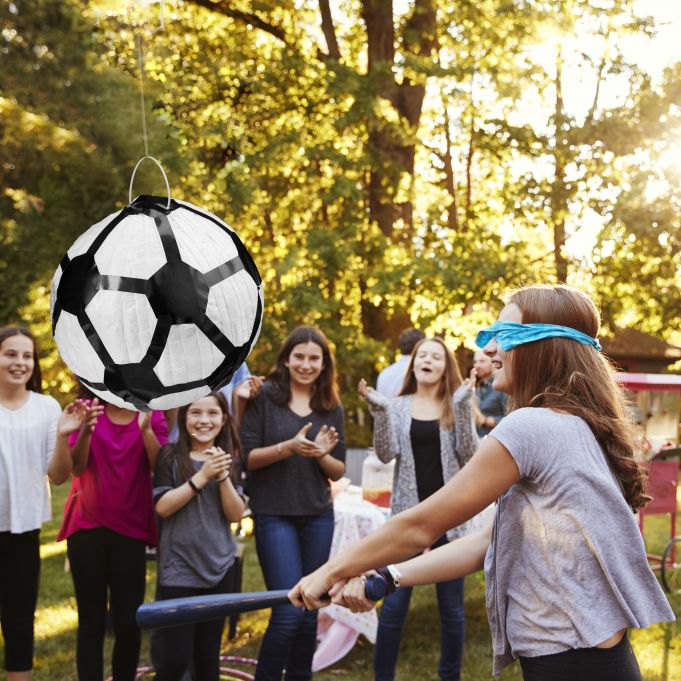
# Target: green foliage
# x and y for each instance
(401, 165)
(70, 135)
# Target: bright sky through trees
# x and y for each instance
(394, 163)
(651, 53)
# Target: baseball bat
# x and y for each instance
(176, 611)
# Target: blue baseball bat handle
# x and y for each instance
(175, 611)
(376, 587)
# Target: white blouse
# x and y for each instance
(27, 439)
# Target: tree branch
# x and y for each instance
(244, 17)
(594, 104)
(469, 165)
(419, 39)
(329, 30)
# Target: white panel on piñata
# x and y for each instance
(76, 350)
(53, 291)
(261, 295)
(188, 355)
(203, 245)
(124, 322)
(86, 239)
(191, 207)
(183, 397)
(230, 306)
(173, 265)
(116, 256)
(113, 399)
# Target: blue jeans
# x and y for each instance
(290, 547)
(452, 628)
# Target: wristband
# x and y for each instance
(395, 575)
(392, 577)
(223, 479)
(192, 484)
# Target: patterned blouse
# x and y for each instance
(392, 440)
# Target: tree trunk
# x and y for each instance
(376, 323)
(390, 157)
(469, 166)
(329, 30)
(452, 217)
(559, 207)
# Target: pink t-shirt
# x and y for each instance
(114, 490)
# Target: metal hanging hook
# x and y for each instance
(160, 167)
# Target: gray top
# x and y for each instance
(566, 567)
(196, 546)
(297, 485)
(392, 440)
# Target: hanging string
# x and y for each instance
(140, 63)
(145, 137)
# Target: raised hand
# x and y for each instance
(71, 418)
(250, 388)
(79, 414)
(144, 420)
(92, 412)
(304, 447)
(217, 465)
(363, 388)
(326, 440)
(472, 378)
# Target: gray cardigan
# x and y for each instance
(392, 440)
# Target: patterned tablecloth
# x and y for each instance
(338, 627)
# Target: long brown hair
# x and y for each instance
(325, 395)
(35, 382)
(178, 454)
(559, 373)
(449, 382)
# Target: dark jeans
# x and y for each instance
(19, 576)
(452, 629)
(104, 563)
(195, 646)
(586, 664)
(290, 547)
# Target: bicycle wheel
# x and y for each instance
(671, 566)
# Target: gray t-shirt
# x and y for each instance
(297, 485)
(566, 567)
(196, 546)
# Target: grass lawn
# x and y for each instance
(658, 648)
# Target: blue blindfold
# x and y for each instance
(510, 335)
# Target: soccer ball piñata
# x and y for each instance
(157, 305)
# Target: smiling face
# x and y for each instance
(16, 361)
(305, 364)
(429, 363)
(205, 419)
(501, 360)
